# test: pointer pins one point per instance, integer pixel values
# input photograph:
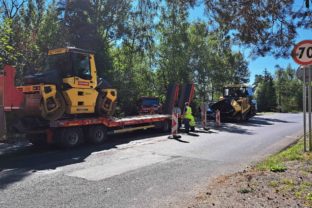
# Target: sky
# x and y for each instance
(257, 66)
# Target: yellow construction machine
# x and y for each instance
(236, 103)
(68, 85)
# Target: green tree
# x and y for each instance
(173, 49)
(266, 93)
(211, 60)
(10, 8)
(109, 18)
(8, 53)
(133, 59)
(240, 68)
(274, 23)
(78, 27)
(268, 27)
(50, 30)
(288, 89)
(26, 26)
(222, 60)
(200, 58)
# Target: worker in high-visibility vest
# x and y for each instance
(188, 115)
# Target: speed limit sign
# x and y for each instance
(302, 53)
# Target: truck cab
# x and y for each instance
(149, 105)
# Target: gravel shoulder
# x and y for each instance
(282, 180)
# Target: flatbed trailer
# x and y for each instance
(72, 132)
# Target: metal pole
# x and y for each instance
(304, 102)
(309, 108)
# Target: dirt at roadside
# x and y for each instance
(254, 188)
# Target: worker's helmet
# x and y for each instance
(186, 103)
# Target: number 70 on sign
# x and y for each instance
(302, 53)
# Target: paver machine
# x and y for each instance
(236, 103)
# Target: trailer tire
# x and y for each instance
(96, 134)
(71, 137)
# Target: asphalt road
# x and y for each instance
(143, 169)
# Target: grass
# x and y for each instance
(288, 185)
(274, 184)
(244, 191)
(305, 185)
(300, 188)
(279, 167)
(298, 194)
(287, 181)
(276, 162)
(309, 196)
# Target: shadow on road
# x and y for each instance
(241, 128)
(259, 121)
(180, 140)
(20, 164)
(236, 129)
(193, 134)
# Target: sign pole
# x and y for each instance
(309, 107)
(302, 55)
(304, 97)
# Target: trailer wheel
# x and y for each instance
(96, 134)
(71, 137)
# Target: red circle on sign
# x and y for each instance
(294, 55)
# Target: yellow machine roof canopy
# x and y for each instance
(69, 49)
